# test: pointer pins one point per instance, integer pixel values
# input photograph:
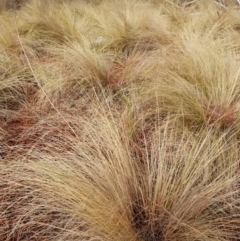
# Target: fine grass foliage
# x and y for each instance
(119, 120)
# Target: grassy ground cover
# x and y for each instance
(120, 120)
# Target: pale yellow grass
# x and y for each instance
(120, 120)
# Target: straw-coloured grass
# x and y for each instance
(119, 120)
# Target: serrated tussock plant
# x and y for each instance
(119, 120)
(180, 191)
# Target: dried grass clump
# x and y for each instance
(181, 191)
(120, 120)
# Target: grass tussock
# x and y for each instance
(119, 120)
